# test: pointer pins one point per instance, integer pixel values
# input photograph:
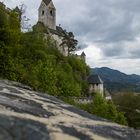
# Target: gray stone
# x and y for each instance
(29, 115)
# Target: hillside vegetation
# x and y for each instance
(28, 58)
(130, 104)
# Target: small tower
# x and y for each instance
(47, 14)
(83, 56)
(19, 12)
(2, 5)
(96, 84)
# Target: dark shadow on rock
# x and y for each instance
(11, 90)
(12, 128)
(16, 84)
(73, 132)
(113, 132)
(51, 98)
(22, 105)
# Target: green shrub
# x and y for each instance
(102, 108)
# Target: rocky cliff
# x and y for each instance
(29, 115)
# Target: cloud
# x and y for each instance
(108, 23)
(99, 20)
(82, 46)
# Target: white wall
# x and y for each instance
(63, 49)
(96, 88)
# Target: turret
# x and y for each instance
(47, 14)
(83, 56)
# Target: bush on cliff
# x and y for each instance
(105, 109)
(130, 104)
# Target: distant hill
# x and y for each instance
(116, 81)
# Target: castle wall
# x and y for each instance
(96, 88)
(63, 49)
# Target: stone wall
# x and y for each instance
(97, 88)
(63, 49)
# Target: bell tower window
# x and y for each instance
(51, 13)
(42, 12)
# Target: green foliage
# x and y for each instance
(67, 83)
(14, 21)
(33, 60)
(102, 108)
(39, 27)
(44, 78)
(81, 70)
(69, 41)
(130, 104)
(3, 18)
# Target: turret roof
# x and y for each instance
(47, 1)
(94, 79)
(83, 54)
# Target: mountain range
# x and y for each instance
(116, 81)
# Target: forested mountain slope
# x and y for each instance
(116, 81)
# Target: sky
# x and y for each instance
(108, 31)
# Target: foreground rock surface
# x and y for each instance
(28, 115)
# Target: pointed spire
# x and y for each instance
(83, 54)
(47, 1)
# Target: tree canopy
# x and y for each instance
(105, 109)
(69, 41)
(130, 104)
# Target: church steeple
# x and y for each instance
(47, 1)
(47, 14)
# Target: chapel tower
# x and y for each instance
(47, 14)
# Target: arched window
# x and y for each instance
(51, 12)
(42, 12)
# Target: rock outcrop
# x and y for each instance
(29, 115)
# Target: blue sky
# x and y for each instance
(107, 30)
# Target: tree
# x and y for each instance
(130, 104)
(69, 41)
(9, 38)
(3, 18)
(24, 21)
(102, 108)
